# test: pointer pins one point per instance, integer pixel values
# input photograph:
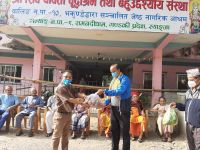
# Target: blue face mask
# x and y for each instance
(114, 74)
(67, 82)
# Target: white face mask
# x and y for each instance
(191, 84)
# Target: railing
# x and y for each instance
(24, 84)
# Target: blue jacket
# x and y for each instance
(191, 107)
(124, 90)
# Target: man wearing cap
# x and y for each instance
(120, 93)
(192, 109)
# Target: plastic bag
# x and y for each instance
(94, 101)
(170, 117)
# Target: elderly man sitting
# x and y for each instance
(8, 101)
(30, 103)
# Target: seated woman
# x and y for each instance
(80, 120)
(104, 121)
(138, 120)
(165, 130)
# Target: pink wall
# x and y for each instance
(170, 82)
(27, 66)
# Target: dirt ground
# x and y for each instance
(8, 141)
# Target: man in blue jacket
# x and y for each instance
(120, 99)
(192, 109)
(8, 101)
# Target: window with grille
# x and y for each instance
(48, 73)
(181, 81)
(147, 80)
(10, 70)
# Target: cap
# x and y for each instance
(193, 72)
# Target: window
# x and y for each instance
(10, 70)
(48, 73)
(182, 81)
(147, 80)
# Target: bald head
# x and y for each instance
(8, 90)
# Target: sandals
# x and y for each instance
(169, 140)
(107, 136)
(164, 139)
(140, 140)
(83, 135)
(73, 135)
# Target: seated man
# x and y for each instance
(104, 120)
(137, 120)
(8, 101)
(30, 104)
(80, 120)
(51, 105)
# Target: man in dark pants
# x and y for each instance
(192, 109)
(120, 98)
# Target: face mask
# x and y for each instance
(67, 82)
(114, 74)
(191, 84)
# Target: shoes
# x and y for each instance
(107, 136)
(169, 139)
(164, 139)
(48, 134)
(133, 138)
(83, 135)
(19, 132)
(140, 139)
(30, 133)
(73, 135)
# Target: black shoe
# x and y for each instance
(48, 134)
(19, 132)
(30, 134)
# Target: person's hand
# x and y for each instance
(100, 91)
(79, 100)
(31, 105)
(107, 102)
(82, 95)
(173, 104)
(85, 104)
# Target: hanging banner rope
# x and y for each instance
(90, 87)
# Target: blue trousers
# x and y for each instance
(3, 116)
(21, 115)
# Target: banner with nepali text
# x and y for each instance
(170, 16)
